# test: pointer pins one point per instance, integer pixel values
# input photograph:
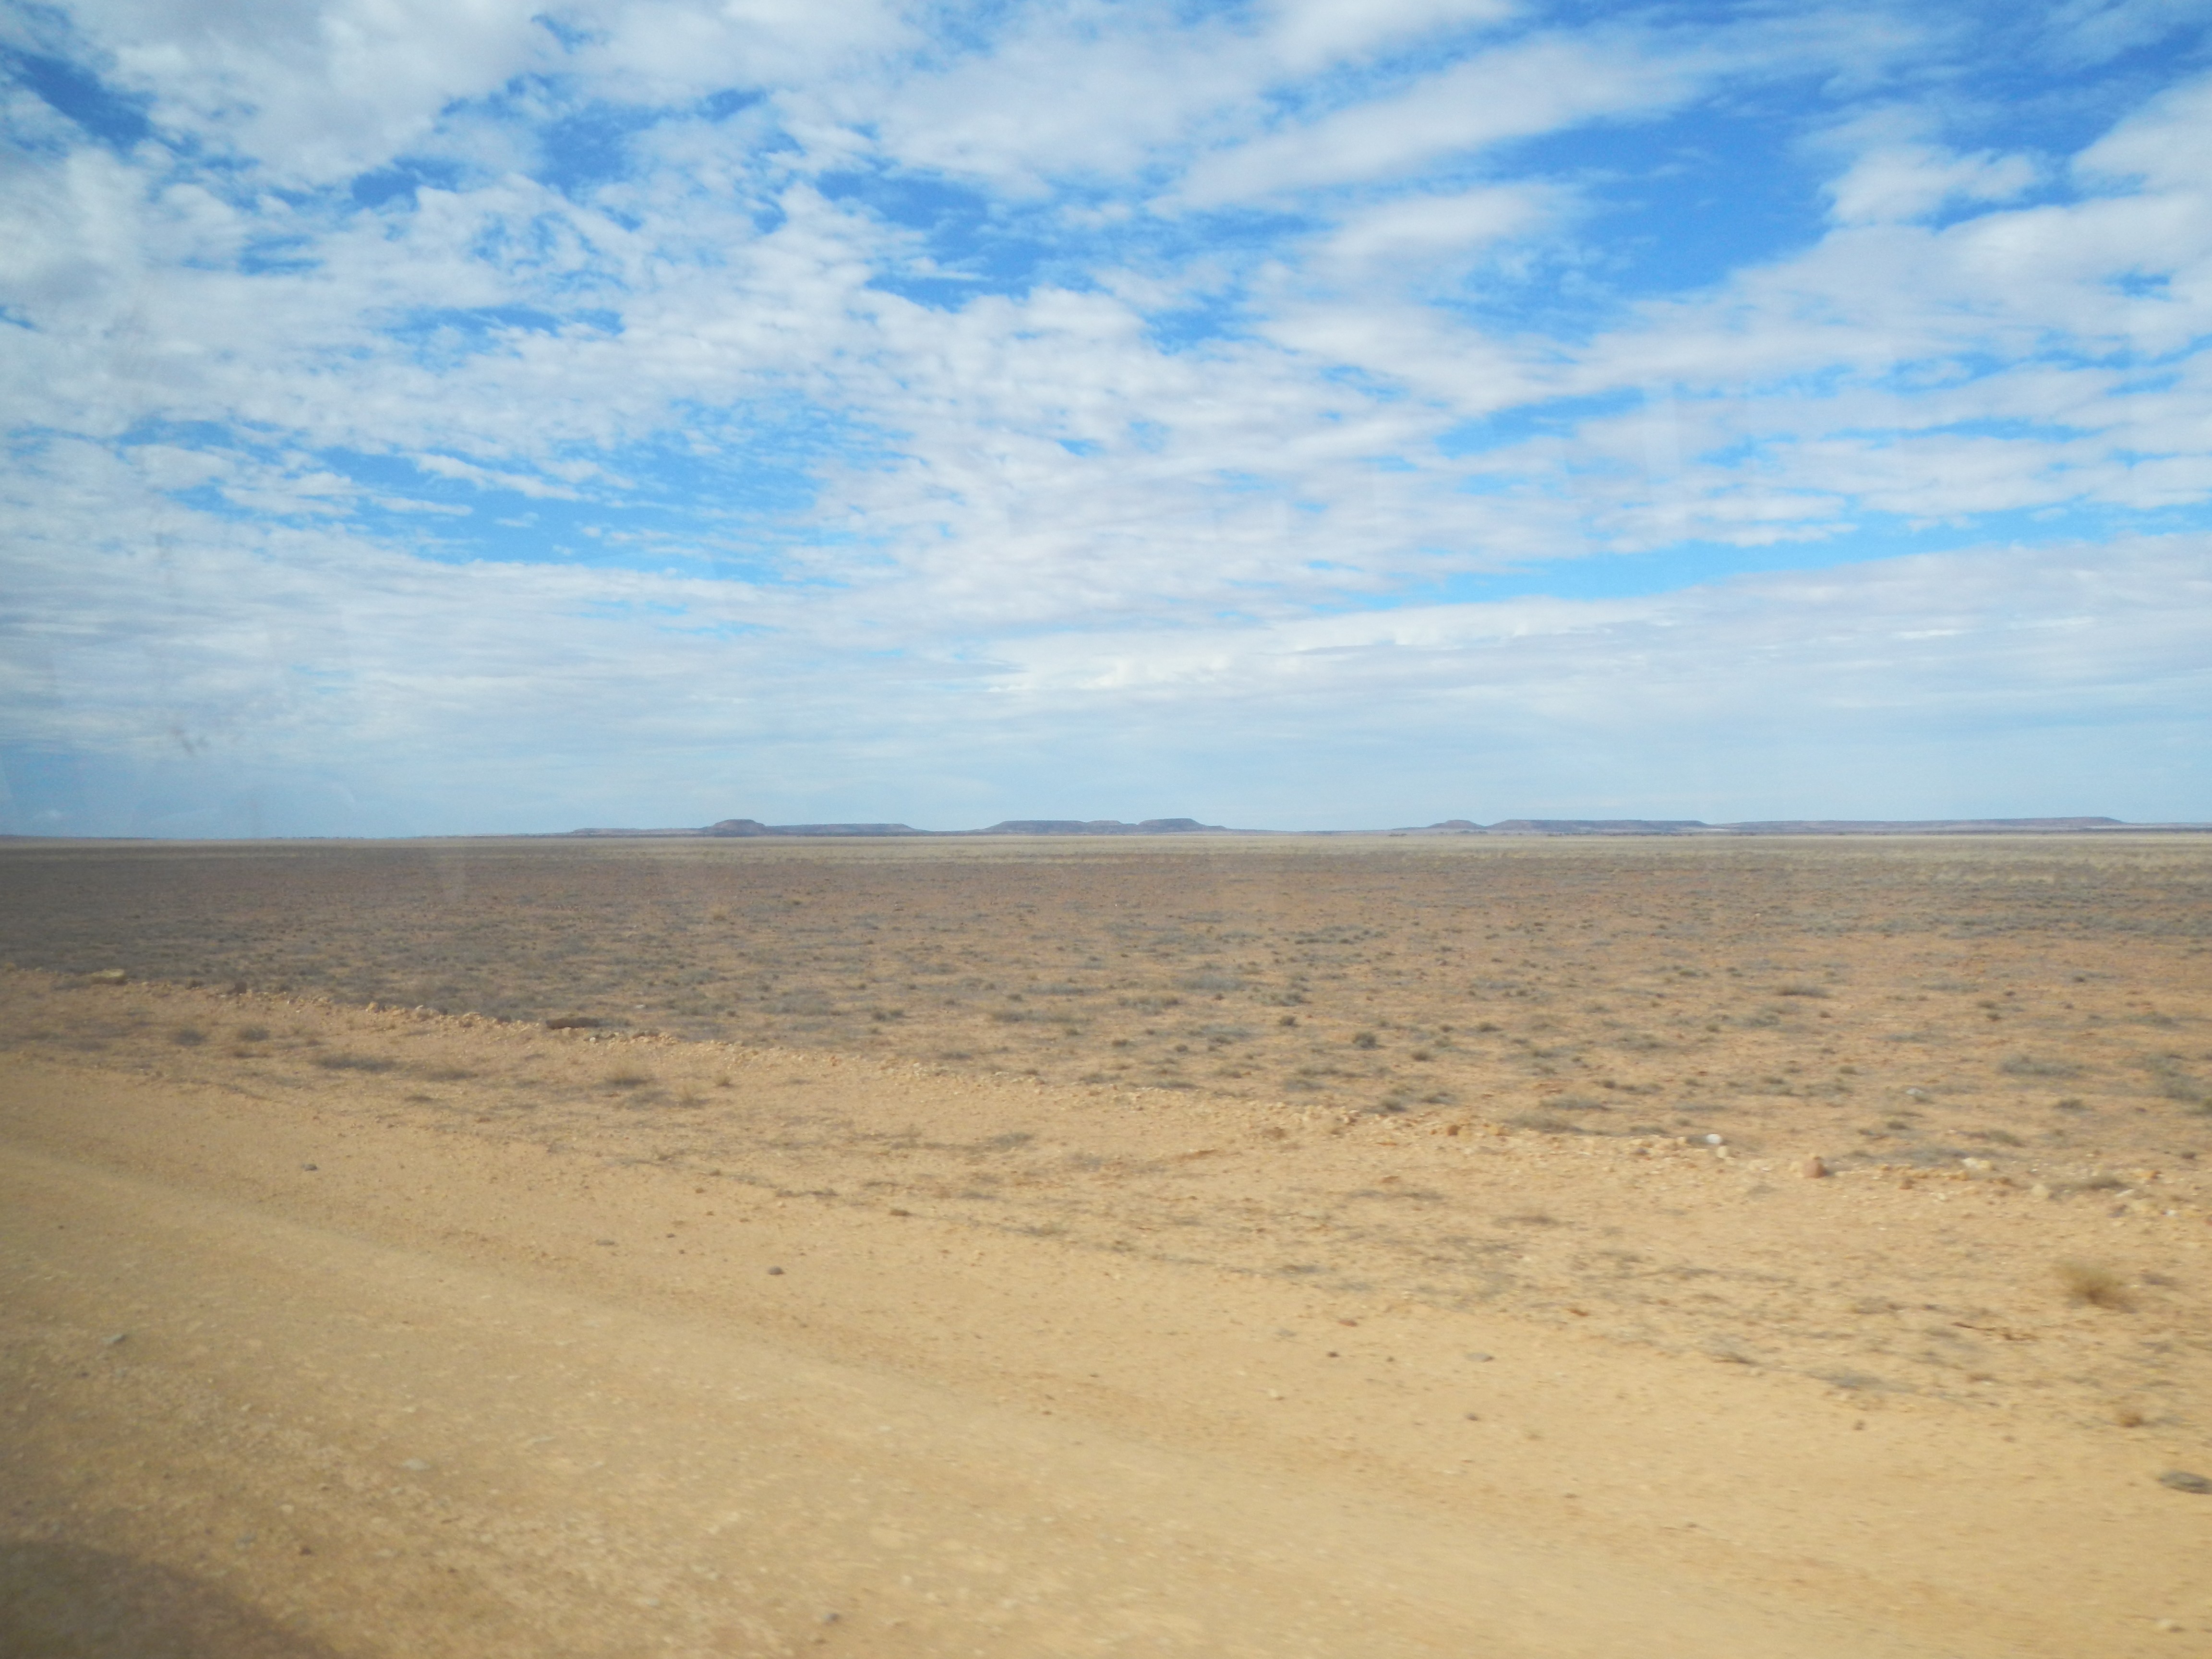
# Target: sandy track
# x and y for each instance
(410, 1402)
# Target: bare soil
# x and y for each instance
(978, 1260)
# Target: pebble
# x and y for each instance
(415, 1464)
(775, 1273)
(1814, 1169)
(2183, 1480)
(110, 1341)
(307, 1166)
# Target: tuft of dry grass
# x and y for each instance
(346, 1062)
(2095, 1285)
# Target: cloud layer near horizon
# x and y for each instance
(480, 417)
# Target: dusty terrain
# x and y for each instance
(1258, 1248)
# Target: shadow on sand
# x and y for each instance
(65, 1601)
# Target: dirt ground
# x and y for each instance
(1321, 1247)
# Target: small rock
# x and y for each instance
(2039, 1190)
(831, 1618)
(2183, 1480)
(416, 1465)
(307, 1166)
(1479, 1358)
(1814, 1169)
(775, 1273)
(110, 1341)
(2169, 1625)
(1712, 1140)
(109, 976)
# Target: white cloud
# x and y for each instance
(1542, 84)
(523, 483)
(310, 651)
(1396, 373)
(1417, 231)
(1913, 182)
(317, 91)
(1309, 34)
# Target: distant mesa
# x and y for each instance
(737, 828)
(1774, 827)
(1100, 827)
(1598, 826)
(744, 827)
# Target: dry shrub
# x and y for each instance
(343, 1062)
(1550, 1123)
(2097, 1285)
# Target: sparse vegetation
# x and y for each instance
(2095, 1286)
(1007, 962)
(352, 1062)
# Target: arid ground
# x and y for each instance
(1299, 1247)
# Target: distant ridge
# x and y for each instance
(1781, 827)
(1100, 827)
(2073, 826)
(750, 827)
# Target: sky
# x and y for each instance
(459, 417)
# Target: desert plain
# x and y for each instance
(1208, 1246)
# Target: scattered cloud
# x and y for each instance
(861, 387)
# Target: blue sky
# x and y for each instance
(472, 417)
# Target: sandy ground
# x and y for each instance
(316, 1342)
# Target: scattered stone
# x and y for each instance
(110, 1341)
(831, 1618)
(2039, 1190)
(2183, 1480)
(1712, 1140)
(307, 1166)
(108, 976)
(775, 1273)
(1479, 1358)
(1814, 1167)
